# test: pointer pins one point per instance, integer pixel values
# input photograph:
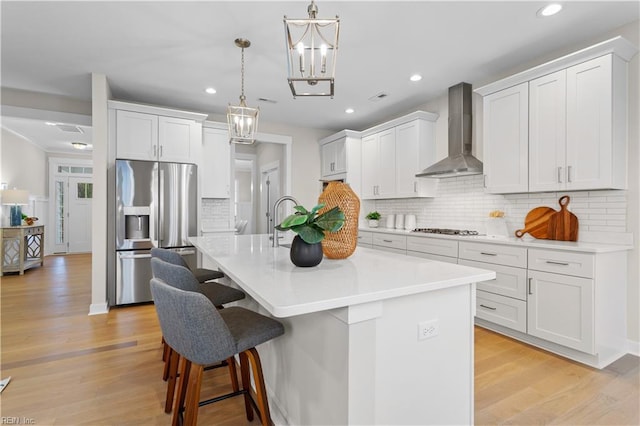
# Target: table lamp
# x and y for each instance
(15, 198)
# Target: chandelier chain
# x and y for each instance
(242, 74)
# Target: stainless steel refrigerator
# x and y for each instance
(155, 206)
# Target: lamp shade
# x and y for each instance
(15, 197)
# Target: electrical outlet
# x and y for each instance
(428, 329)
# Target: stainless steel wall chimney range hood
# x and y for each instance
(459, 161)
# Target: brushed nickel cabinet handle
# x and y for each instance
(559, 174)
(388, 241)
(557, 263)
(569, 174)
(488, 254)
(487, 307)
(530, 290)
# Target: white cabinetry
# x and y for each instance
(390, 242)
(576, 115)
(365, 239)
(379, 165)
(502, 300)
(341, 158)
(215, 164)
(561, 305)
(433, 248)
(155, 134)
(392, 154)
(334, 158)
(506, 122)
(572, 141)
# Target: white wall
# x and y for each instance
(24, 165)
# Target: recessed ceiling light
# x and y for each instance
(79, 145)
(210, 90)
(415, 77)
(349, 110)
(550, 9)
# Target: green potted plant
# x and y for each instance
(310, 228)
(373, 218)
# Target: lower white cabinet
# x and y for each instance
(433, 248)
(390, 242)
(506, 311)
(365, 239)
(561, 310)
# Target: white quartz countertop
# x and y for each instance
(369, 275)
(527, 241)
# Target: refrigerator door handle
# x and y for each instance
(135, 256)
(161, 207)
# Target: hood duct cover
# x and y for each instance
(459, 161)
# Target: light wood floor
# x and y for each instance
(69, 368)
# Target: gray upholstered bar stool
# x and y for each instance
(203, 335)
(201, 274)
(218, 294)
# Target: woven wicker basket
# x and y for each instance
(341, 244)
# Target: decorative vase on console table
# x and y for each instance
(341, 244)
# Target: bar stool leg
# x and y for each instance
(261, 390)
(178, 403)
(172, 361)
(233, 373)
(193, 395)
(246, 384)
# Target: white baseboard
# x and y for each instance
(633, 347)
(98, 308)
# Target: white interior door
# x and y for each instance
(80, 200)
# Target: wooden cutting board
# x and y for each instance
(563, 225)
(536, 223)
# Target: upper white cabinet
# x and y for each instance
(215, 163)
(341, 158)
(576, 116)
(392, 154)
(155, 134)
(379, 165)
(506, 123)
(334, 158)
(572, 142)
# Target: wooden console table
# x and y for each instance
(22, 248)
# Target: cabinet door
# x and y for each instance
(505, 134)
(178, 139)
(589, 124)
(407, 159)
(136, 135)
(215, 164)
(561, 310)
(386, 164)
(340, 159)
(369, 165)
(327, 156)
(547, 132)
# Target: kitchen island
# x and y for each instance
(377, 338)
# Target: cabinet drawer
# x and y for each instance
(432, 256)
(365, 238)
(433, 245)
(505, 311)
(494, 253)
(560, 262)
(34, 231)
(509, 281)
(390, 241)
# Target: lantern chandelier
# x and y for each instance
(243, 120)
(312, 46)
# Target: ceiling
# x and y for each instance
(167, 53)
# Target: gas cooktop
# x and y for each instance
(445, 231)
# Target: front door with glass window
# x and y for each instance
(73, 194)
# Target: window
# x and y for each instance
(85, 190)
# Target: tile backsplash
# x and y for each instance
(462, 203)
(215, 213)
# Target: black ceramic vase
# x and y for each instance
(305, 254)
